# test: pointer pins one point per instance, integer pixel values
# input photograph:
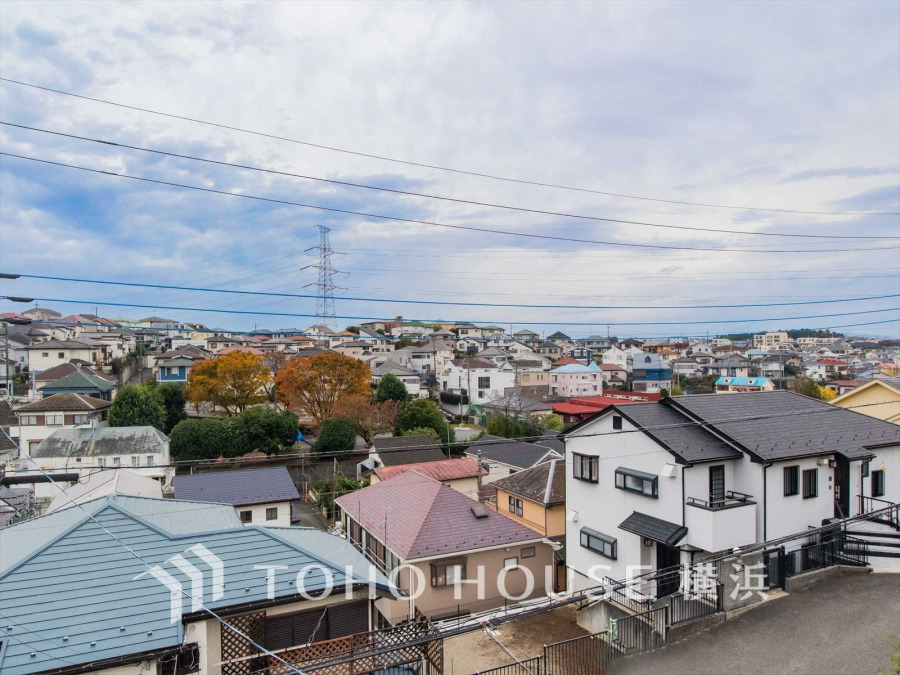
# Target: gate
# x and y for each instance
(773, 562)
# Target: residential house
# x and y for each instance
(576, 380)
(430, 357)
(39, 419)
(503, 456)
(9, 432)
(159, 323)
(731, 385)
(131, 621)
(83, 450)
(16, 504)
(405, 450)
(548, 349)
(613, 375)
(769, 340)
(583, 355)
(582, 408)
(843, 386)
(654, 485)
(481, 380)
(815, 370)
(410, 378)
(461, 474)
(732, 365)
(650, 373)
(453, 547)
(687, 366)
(621, 356)
(599, 343)
(82, 381)
(878, 398)
(530, 373)
(259, 496)
(469, 331)
(103, 483)
(51, 353)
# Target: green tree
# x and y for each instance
(424, 431)
(807, 387)
(422, 413)
(137, 406)
(391, 388)
(268, 430)
(335, 435)
(551, 422)
(202, 439)
(171, 395)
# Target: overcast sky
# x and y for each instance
(783, 106)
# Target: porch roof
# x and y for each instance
(656, 529)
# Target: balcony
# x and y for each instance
(716, 525)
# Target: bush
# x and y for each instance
(171, 395)
(424, 431)
(391, 388)
(268, 430)
(422, 413)
(335, 435)
(203, 439)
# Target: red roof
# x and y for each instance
(565, 361)
(575, 409)
(832, 362)
(446, 469)
(417, 517)
(847, 383)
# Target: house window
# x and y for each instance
(447, 573)
(54, 420)
(272, 513)
(79, 419)
(246, 516)
(617, 422)
(865, 469)
(484, 383)
(28, 420)
(117, 461)
(45, 354)
(528, 552)
(150, 461)
(515, 506)
(810, 483)
(878, 483)
(61, 355)
(791, 480)
(101, 462)
(135, 461)
(637, 481)
(510, 563)
(598, 542)
(717, 484)
(585, 467)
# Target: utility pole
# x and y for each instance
(325, 286)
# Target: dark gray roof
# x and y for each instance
(398, 450)
(533, 483)
(554, 440)
(785, 425)
(507, 451)
(674, 431)
(61, 344)
(238, 488)
(654, 528)
(83, 442)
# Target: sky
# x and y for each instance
(781, 109)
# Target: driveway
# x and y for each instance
(845, 624)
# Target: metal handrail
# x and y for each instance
(731, 498)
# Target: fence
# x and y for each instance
(534, 666)
(585, 655)
(694, 604)
(641, 632)
(841, 550)
(626, 595)
(870, 504)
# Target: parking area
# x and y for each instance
(844, 624)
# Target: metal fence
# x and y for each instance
(695, 604)
(627, 595)
(534, 666)
(841, 550)
(586, 655)
(641, 632)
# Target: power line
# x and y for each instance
(470, 202)
(328, 299)
(442, 168)
(469, 228)
(532, 323)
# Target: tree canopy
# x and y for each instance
(391, 388)
(255, 429)
(203, 439)
(335, 435)
(523, 426)
(232, 381)
(137, 406)
(171, 395)
(367, 416)
(312, 386)
(422, 412)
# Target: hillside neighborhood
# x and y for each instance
(446, 458)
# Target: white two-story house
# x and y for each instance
(482, 380)
(653, 485)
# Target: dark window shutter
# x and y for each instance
(279, 633)
(348, 618)
(305, 626)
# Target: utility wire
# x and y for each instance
(442, 168)
(470, 202)
(441, 302)
(469, 228)
(504, 322)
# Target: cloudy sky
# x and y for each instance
(792, 109)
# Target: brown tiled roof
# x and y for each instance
(65, 402)
(533, 483)
(63, 369)
(446, 469)
(473, 362)
(417, 517)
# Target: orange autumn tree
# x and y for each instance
(367, 416)
(231, 381)
(312, 386)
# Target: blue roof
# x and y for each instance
(245, 486)
(73, 595)
(743, 381)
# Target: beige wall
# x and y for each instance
(436, 601)
(259, 514)
(532, 379)
(547, 521)
(875, 392)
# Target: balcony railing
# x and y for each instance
(732, 499)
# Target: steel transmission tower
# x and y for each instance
(325, 313)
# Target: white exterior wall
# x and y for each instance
(38, 363)
(576, 384)
(788, 515)
(616, 357)
(602, 507)
(885, 458)
(456, 379)
(259, 514)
